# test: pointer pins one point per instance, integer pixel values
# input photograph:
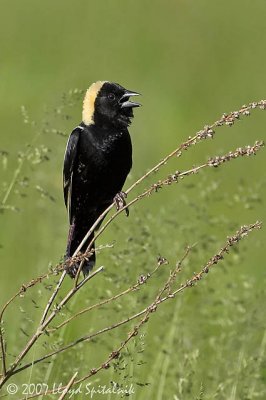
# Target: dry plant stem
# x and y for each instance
(142, 279)
(58, 286)
(21, 291)
(59, 268)
(68, 386)
(115, 353)
(231, 241)
(55, 271)
(219, 256)
(51, 300)
(41, 327)
(3, 352)
(2, 205)
(212, 162)
(85, 310)
(206, 133)
(85, 338)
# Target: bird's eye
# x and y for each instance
(111, 96)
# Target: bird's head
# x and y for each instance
(108, 103)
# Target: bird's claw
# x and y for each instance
(120, 201)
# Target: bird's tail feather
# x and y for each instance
(75, 236)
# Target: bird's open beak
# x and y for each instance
(124, 101)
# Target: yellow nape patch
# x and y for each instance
(89, 101)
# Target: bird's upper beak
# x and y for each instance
(124, 101)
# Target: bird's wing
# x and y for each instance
(69, 161)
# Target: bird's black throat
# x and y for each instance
(120, 119)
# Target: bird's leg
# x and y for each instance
(120, 201)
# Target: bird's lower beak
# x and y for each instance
(131, 104)
(124, 101)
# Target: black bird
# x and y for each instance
(97, 161)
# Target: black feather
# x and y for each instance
(97, 161)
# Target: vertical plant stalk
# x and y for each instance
(68, 386)
(3, 352)
(50, 302)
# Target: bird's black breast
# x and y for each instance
(103, 161)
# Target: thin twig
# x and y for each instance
(41, 328)
(206, 133)
(231, 241)
(52, 298)
(114, 354)
(55, 271)
(214, 260)
(58, 286)
(142, 279)
(3, 352)
(68, 386)
(212, 162)
(85, 338)
(247, 151)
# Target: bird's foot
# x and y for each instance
(120, 201)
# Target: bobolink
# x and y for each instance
(97, 161)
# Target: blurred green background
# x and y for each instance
(192, 61)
